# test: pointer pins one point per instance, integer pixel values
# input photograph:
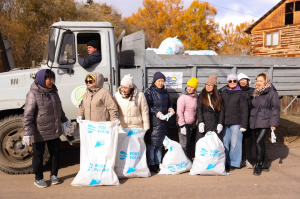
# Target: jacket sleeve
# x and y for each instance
(81, 109)
(170, 105)
(149, 99)
(144, 109)
(111, 106)
(180, 111)
(221, 115)
(88, 61)
(275, 110)
(200, 109)
(244, 111)
(63, 117)
(29, 114)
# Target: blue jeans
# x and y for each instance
(154, 154)
(232, 140)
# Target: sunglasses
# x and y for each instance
(232, 81)
(89, 81)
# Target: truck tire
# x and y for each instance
(15, 158)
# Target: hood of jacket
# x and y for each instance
(99, 81)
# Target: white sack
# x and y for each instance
(131, 159)
(175, 160)
(200, 52)
(209, 156)
(171, 46)
(98, 146)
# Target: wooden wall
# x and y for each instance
(293, 109)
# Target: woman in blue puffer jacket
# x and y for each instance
(160, 110)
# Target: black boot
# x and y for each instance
(153, 168)
(157, 166)
(257, 169)
(265, 166)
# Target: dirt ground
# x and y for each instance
(281, 182)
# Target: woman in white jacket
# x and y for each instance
(132, 105)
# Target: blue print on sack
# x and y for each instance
(211, 166)
(169, 50)
(90, 167)
(171, 148)
(181, 165)
(131, 169)
(103, 129)
(100, 168)
(95, 182)
(91, 128)
(123, 155)
(203, 152)
(171, 168)
(99, 143)
(215, 153)
(131, 133)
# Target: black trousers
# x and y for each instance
(184, 140)
(260, 135)
(247, 155)
(38, 153)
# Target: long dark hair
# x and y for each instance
(216, 99)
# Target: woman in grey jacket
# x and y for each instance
(43, 115)
(264, 117)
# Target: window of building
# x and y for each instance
(289, 7)
(297, 6)
(272, 39)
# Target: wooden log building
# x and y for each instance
(277, 33)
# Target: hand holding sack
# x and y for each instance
(219, 128)
(26, 140)
(201, 127)
(273, 137)
(209, 156)
(243, 130)
(175, 161)
(183, 130)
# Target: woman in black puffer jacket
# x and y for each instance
(264, 117)
(160, 110)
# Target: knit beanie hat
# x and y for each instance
(193, 82)
(212, 79)
(243, 76)
(127, 81)
(232, 76)
(93, 43)
(158, 75)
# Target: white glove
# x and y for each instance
(118, 122)
(201, 127)
(79, 119)
(162, 117)
(183, 130)
(273, 137)
(68, 127)
(169, 115)
(26, 140)
(243, 130)
(219, 128)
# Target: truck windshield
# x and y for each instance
(51, 37)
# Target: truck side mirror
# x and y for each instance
(51, 52)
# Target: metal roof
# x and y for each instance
(248, 30)
(79, 24)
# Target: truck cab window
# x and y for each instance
(67, 51)
(89, 39)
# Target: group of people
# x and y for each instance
(233, 112)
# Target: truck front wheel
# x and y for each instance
(15, 158)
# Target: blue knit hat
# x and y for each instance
(40, 78)
(158, 75)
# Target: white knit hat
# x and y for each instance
(243, 76)
(127, 81)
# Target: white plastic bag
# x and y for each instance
(175, 160)
(131, 159)
(98, 146)
(200, 52)
(171, 46)
(209, 156)
(273, 137)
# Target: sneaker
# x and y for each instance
(54, 179)
(40, 183)
(249, 165)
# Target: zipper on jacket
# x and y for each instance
(91, 107)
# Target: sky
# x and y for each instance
(254, 9)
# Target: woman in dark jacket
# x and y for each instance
(236, 122)
(210, 110)
(43, 115)
(160, 110)
(264, 117)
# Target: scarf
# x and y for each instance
(208, 96)
(258, 91)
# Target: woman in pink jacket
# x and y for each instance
(186, 112)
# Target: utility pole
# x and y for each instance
(4, 55)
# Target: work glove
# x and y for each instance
(79, 119)
(243, 130)
(183, 130)
(201, 127)
(169, 115)
(219, 128)
(26, 140)
(162, 117)
(118, 122)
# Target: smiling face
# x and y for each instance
(90, 82)
(260, 82)
(243, 82)
(209, 87)
(232, 83)
(159, 83)
(190, 89)
(125, 90)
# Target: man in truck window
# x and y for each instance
(94, 54)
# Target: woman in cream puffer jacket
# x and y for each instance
(132, 105)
